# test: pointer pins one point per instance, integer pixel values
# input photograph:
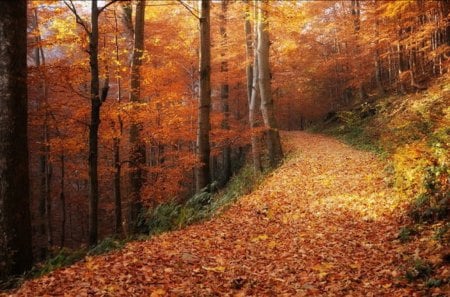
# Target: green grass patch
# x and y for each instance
(172, 216)
(419, 269)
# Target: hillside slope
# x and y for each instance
(324, 223)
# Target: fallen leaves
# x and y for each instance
(323, 224)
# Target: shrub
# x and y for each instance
(106, 245)
(419, 269)
(405, 234)
(171, 216)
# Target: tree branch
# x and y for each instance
(106, 5)
(190, 9)
(79, 20)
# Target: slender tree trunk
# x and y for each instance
(224, 92)
(273, 136)
(253, 91)
(47, 170)
(62, 197)
(117, 189)
(93, 127)
(118, 227)
(446, 12)
(42, 157)
(45, 203)
(137, 146)
(203, 175)
(377, 60)
(249, 49)
(15, 219)
(253, 118)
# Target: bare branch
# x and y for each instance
(106, 5)
(190, 9)
(79, 20)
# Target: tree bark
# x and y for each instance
(137, 154)
(224, 93)
(15, 220)
(273, 136)
(94, 126)
(62, 198)
(118, 227)
(203, 175)
(249, 49)
(45, 202)
(446, 13)
(253, 89)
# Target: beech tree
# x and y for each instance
(203, 174)
(224, 91)
(15, 221)
(137, 154)
(253, 88)
(264, 77)
(97, 97)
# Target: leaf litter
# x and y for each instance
(322, 224)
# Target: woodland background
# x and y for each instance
(330, 62)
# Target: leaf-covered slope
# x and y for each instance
(322, 224)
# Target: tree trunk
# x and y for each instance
(253, 88)
(249, 49)
(137, 154)
(93, 127)
(117, 190)
(224, 93)
(45, 206)
(62, 197)
(446, 12)
(118, 227)
(203, 175)
(15, 220)
(273, 136)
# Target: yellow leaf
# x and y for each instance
(215, 269)
(260, 237)
(158, 293)
(272, 244)
(323, 267)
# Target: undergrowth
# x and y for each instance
(412, 132)
(165, 217)
(172, 216)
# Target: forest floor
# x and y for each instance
(324, 223)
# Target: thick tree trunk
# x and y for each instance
(203, 175)
(137, 154)
(273, 136)
(15, 221)
(253, 118)
(253, 91)
(224, 93)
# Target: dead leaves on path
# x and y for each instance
(322, 224)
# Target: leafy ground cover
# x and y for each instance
(325, 223)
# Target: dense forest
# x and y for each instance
(122, 120)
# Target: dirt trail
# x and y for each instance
(320, 225)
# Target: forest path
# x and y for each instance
(322, 224)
